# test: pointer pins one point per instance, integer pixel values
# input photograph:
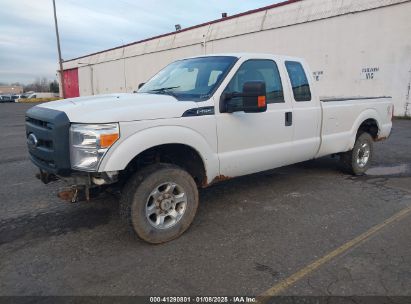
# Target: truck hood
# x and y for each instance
(120, 107)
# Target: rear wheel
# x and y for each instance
(358, 160)
(159, 203)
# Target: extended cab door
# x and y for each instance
(306, 116)
(253, 142)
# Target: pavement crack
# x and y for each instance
(267, 269)
(313, 287)
(380, 279)
(328, 288)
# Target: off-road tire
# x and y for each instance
(137, 191)
(349, 159)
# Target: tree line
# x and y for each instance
(40, 84)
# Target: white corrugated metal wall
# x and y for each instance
(353, 48)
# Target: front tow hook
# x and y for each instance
(70, 194)
(46, 177)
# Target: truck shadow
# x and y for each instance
(57, 222)
(104, 210)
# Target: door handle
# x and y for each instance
(288, 119)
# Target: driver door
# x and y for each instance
(253, 142)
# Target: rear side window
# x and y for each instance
(299, 81)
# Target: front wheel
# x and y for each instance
(159, 203)
(358, 160)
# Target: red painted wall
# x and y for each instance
(71, 83)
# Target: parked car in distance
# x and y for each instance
(6, 98)
(39, 95)
(199, 121)
(16, 97)
(29, 95)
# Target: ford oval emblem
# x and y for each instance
(32, 141)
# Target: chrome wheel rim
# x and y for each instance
(166, 205)
(363, 155)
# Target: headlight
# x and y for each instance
(89, 143)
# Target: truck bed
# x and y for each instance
(342, 116)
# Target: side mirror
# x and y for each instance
(253, 99)
(141, 84)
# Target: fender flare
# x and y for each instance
(124, 151)
(367, 114)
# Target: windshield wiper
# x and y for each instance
(166, 90)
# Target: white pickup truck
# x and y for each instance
(198, 121)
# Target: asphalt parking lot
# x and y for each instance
(251, 235)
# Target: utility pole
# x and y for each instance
(59, 51)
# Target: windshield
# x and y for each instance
(190, 79)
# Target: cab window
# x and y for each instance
(258, 70)
(299, 81)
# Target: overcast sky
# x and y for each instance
(27, 38)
